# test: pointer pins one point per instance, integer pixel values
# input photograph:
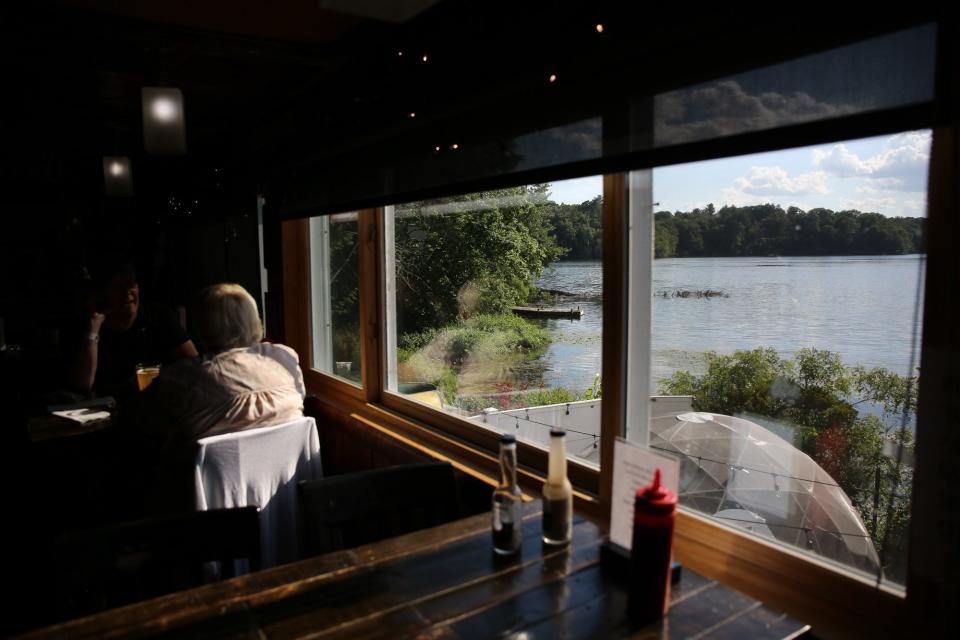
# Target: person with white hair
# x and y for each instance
(238, 382)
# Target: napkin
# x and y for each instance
(82, 416)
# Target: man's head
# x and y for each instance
(226, 318)
(117, 294)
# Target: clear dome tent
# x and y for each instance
(744, 474)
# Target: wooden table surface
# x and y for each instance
(439, 583)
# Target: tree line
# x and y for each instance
(757, 230)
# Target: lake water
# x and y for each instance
(862, 307)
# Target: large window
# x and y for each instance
(494, 303)
(761, 321)
(787, 296)
(335, 296)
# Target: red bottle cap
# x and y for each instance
(655, 499)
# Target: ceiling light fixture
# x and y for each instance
(164, 126)
(117, 180)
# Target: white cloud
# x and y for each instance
(900, 166)
(776, 181)
(887, 205)
(773, 184)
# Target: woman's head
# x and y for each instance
(226, 318)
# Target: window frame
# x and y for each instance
(832, 599)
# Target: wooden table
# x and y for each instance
(50, 427)
(440, 583)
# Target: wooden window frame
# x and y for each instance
(833, 600)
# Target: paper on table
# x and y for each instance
(83, 416)
(633, 467)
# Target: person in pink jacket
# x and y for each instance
(237, 382)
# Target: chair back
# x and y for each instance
(109, 566)
(261, 467)
(352, 509)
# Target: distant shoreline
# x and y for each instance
(791, 255)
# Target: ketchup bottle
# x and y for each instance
(654, 513)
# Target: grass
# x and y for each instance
(437, 355)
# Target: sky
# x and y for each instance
(886, 174)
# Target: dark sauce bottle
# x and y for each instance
(507, 518)
(557, 494)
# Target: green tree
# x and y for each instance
(579, 229)
(665, 236)
(472, 254)
(769, 230)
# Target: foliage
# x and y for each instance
(472, 254)
(767, 229)
(817, 393)
(438, 355)
(596, 389)
(507, 399)
(579, 228)
(345, 293)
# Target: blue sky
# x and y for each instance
(886, 174)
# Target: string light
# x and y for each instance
(553, 77)
(599, 28)
(733, 470)
(748, 469)
(454, 146)
(806, 530)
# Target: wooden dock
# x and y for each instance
(548, 312)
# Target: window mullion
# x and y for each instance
(370, 314)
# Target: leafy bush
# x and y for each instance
(817, 393)
(438, 355)
(515, 400)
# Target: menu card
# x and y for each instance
(633, 467)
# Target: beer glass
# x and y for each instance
(145, 374)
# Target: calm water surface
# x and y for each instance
(862, 307)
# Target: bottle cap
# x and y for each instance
(557, 433)
(655, 498)
(508, 438)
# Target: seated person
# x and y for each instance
(238, 383)
(119, 333)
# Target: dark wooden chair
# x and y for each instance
(351, 509)
(113, 565)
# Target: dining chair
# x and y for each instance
(261, 467)
(351, 509)
(117, 564)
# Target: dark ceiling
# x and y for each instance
(272, 89)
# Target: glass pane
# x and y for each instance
(335, 295)
(786, 328)
(496, 302)
(885, 72)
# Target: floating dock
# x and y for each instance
(548, 312)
